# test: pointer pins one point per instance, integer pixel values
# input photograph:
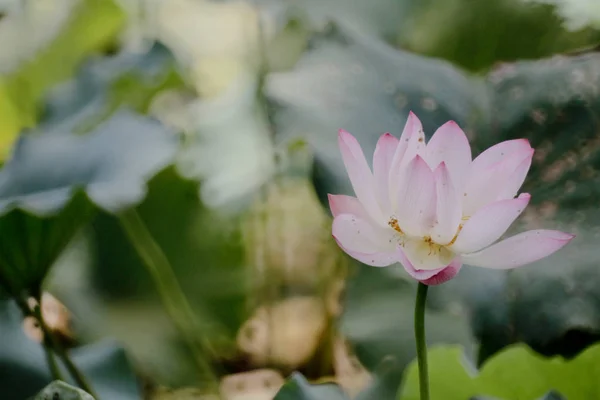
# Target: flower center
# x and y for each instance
(422, 251)
(393, 223)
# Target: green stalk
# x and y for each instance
(55, 344)
(51, 361)
(46, 344)
(173, 298)
(420, 340)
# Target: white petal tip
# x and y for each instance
(343, 133)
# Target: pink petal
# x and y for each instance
(515, 180)
(446, 274)
(496, 181)
(413, 130)
(449, 144)
(519, 250)
(382, 161)
(489, 223)
(500, 152)
(415, 145)
(382, 259)
(364, 241)
(431, 276)
(342, 204)
(416, 205)
(359, 174)
(448, 209)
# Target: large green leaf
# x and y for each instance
(349, 81)
(104, 84)
(38, 212)
(25, 372)
(516, 373)
(476, 35)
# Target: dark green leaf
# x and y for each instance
(552, 395)
(298, 388)
(476, 35)
(59, 390)
(32, 244)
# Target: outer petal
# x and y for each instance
(489, 223)
(500, 152)
(364, 241)
(450, 145)
(492, 183)
(519, 250)
(359, 174)
(432, 276)
(413, 131)
(416, 199)
(342, 204)
(448, 207)
(516, 179)
(382, 161)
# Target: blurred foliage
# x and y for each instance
(23, 369)
(92, 26)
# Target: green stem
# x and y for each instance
(173, 298)
(53, 341)
(420, 340)
(51, 361)
(46, 344)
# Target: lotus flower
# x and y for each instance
(431, 208)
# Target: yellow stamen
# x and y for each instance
(455, 235)
(393, 223)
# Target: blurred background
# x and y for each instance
(256, 91)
